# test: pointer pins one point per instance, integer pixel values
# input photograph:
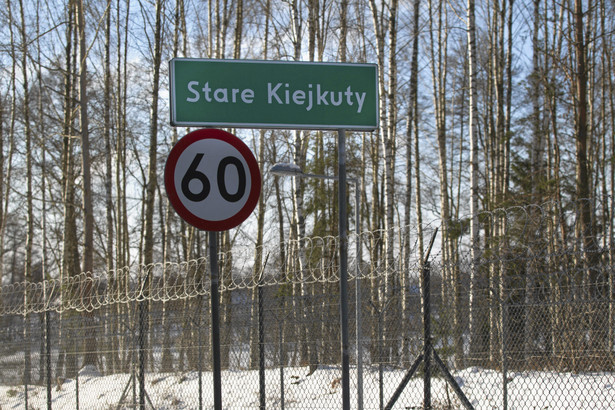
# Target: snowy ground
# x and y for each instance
(322, 390)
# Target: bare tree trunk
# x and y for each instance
(44, 316)
(439, 71)
(412, 153)
(91, 354)
(70, 251)
(258, 258)
(5, 162)
(538, 169)
(222, 18)
(169, 216)
(111, 355)
(298, 223)
(238, 30)
(343, 48)
(150, 196)
(557, 229)
(29, 200)
(6, 165)
(152, 181)
(474, 227)
(122, 246)
(584, 181)
(609, 90)
(417, 156)
(384, 291)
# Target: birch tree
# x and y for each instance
(259, 267)
(583, 177)
(180, 47)
(474, 321)
(70, 250)
(122, 248)
(413, 165)
(91, 354)
(29, 194)
(384, 22)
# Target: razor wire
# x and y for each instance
(173, 281)
(516, 237)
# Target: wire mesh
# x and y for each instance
(525, 324)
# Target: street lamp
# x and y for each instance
(287, 169)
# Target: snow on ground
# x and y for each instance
(322, 390)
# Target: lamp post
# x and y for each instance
(287, 169)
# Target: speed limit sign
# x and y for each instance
(212, 179)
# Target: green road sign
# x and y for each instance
(273, 94)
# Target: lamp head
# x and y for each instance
(286, 169)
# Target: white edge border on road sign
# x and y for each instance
(176, 123)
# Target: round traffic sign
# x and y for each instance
(212, 179)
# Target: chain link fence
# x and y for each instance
(527, 323)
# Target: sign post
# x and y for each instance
(215, 318)
(213, 181)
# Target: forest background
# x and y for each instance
(482, 106)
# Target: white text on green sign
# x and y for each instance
(265, 94)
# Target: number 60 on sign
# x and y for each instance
(212, 179)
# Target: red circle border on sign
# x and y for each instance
(255, 180)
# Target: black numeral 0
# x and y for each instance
(192, 173)
(241, 173)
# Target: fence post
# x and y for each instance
(133, 364)
(504, 309)
(427, 336)
(215, 318)
(343, 252)
(142, 339)
(380, 359)
(27, 364)
(282, 363)
(76, 353)
(48, 356)
(200, 366)
(261, 347)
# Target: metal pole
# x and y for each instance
(427, 337)
(504, 312)
(282, 361)
(77, 375)
(143, 328)
(380, 364)
(357, 229)
(215, 320)
(452, 382)
(343, 226)
(404, 382)
(26, 376)
(133, 369)
(142, 315)
(47, 331)
(200, 356)
(261, 347)
(48, 356)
